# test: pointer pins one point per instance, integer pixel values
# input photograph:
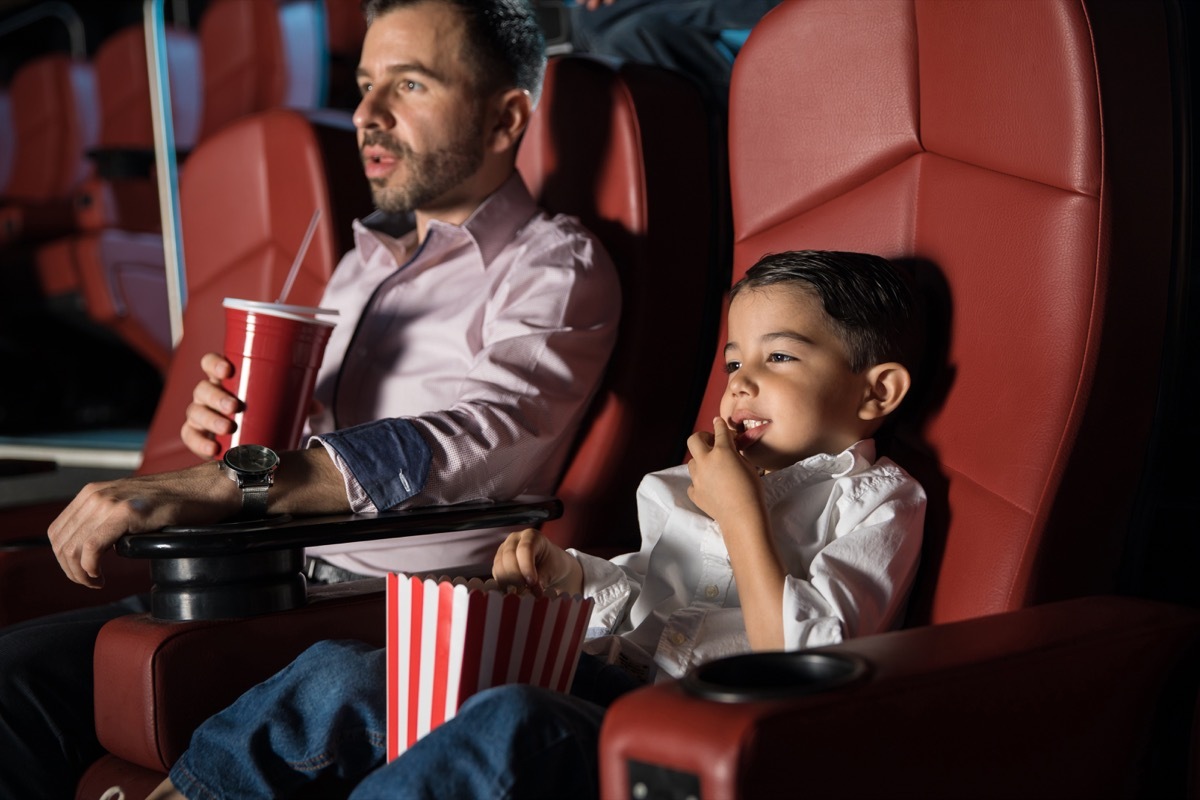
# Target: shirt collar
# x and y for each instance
(491, 226)
(854, 459)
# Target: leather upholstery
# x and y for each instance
(241, 243)
(1091, 697)
(608, 149)
(130, 201)
(8, 141)
(238, 244)
(1019, 156)
(248, 64)
(972, 137)
(53, 101)
(596, 150)
(116, 207)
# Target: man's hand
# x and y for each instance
(103, 512)
(211, 411)
(527, 559)
(724, 484)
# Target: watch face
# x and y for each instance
(251, 458)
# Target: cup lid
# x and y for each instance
(258, 305)
(299, 313)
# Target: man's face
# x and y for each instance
(420, 125)
(790, 392)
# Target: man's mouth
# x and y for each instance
(378, 164)
(380, 155)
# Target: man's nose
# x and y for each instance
(371, 112)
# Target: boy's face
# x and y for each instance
(791, 393)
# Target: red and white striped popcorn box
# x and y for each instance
(448, 639)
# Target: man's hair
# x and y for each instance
(868, 300)
(504, 43)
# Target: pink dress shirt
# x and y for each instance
(460, 369)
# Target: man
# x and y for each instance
(464, 358)
(684, 35)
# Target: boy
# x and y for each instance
(783, 531)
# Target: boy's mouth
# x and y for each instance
(749, 430)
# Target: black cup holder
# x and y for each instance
(772, 676)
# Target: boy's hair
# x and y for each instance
(868, 300)
(505, 46)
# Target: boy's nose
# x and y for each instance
(741, 382)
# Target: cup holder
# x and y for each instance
(771, 676)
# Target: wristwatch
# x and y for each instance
(252, 467)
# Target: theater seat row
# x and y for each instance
(79, 198)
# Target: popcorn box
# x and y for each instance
(448, 639)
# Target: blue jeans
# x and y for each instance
(683, 35)
(323, 719)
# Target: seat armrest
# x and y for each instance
(237, 569)
(282, 532)
(156, 681)
(1081, 698)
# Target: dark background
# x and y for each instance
(100, 18)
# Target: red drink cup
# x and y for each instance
(275, 350)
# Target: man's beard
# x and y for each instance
(430, 175)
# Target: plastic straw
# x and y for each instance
(312, 227)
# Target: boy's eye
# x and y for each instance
(779, 358)
(732, 367)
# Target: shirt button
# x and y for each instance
(678, 638)
(711, 592)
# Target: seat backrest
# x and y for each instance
(122, 194)
(260, 54)
(55, 122)
(8, 140)
(1032, 181)
(240, 236)
(123, 81)
(628, 151)
(625, 149)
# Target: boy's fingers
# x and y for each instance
(699, 443)
(527, 556)
(722, 436)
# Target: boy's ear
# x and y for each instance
(887, 384)
(513, 108)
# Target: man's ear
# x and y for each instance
(887, 384)
(512, 110)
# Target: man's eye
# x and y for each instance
(363, 88)
(411, 86)
(779, 358)
(732, 367)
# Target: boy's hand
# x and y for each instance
(724, 484)
(527, 559)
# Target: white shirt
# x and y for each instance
(847, 527)
(460, 369)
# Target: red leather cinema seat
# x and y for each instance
(115, 265)
(259, 54)
(1021, 155)
(53, 102)
(311, 165)
(627, 151)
